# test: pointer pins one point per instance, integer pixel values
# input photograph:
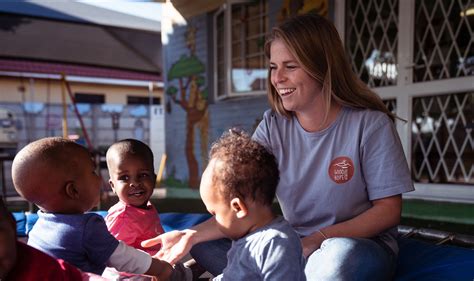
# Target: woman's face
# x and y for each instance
(298, 91)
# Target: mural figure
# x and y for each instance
(291, 8)
(190, 95)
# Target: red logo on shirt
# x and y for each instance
(341, 169)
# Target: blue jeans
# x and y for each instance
(212, 255)
(337, 259)
(351, 259)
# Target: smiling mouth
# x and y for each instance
(286, 91)
(136, 193)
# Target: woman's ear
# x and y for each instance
(238, 206)
(71, 190)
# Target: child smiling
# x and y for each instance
(133, 219)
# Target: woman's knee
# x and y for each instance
(348, 259)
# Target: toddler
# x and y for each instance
(238, 188)
(60, 177)
(133, 219)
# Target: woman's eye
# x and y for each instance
(123, 178)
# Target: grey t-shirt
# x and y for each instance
(272, 252)
(331, 176)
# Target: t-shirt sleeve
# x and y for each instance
(280, 261)
(98, 243)
(261, 134)
(129, 259)
(384, 165)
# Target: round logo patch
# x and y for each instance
(341, 169)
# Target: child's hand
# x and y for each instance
(175, 245)
(160, 269)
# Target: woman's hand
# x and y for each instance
(174, 244)
(384, 214)
(311, 243)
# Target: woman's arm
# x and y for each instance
(176, 244)
(384, 214)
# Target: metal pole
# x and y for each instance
(63, 98)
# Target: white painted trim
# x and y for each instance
(442, 192)
(340, 18)
(84, 79)
(431, 88)
(406, 34)
(214, 46)
(228, 48)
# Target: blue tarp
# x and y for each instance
(418, 260)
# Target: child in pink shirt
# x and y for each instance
(133, 219)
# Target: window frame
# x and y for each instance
(226, 9)
(405, 90)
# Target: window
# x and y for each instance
(240, 30)
(442, 139)
(89, 98)
(372, 37)
(143, 100)
(428, 54)
(444, 40)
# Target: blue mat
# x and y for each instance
(169, 221)
(418, 260)
(20, 219)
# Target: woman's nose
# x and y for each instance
(278, 76)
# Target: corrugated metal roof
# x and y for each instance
(26, 66)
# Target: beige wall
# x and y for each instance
(10, 91)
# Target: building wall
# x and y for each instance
(185, 42)
(437, 89)
(244, 112)
(38, 112)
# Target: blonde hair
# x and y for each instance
(314, 42)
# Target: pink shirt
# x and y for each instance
(133, 225)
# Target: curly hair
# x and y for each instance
(248, 170)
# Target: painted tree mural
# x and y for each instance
(190, 95)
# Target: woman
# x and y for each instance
(342, 167)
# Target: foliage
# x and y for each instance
(185, 67)
(171, 91)
(171, 181)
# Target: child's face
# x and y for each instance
(88, 181)
(132, 178)
(227, 221)
(7, 242)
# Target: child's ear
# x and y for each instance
(111, 183)
(71, 190)
(238, 206)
